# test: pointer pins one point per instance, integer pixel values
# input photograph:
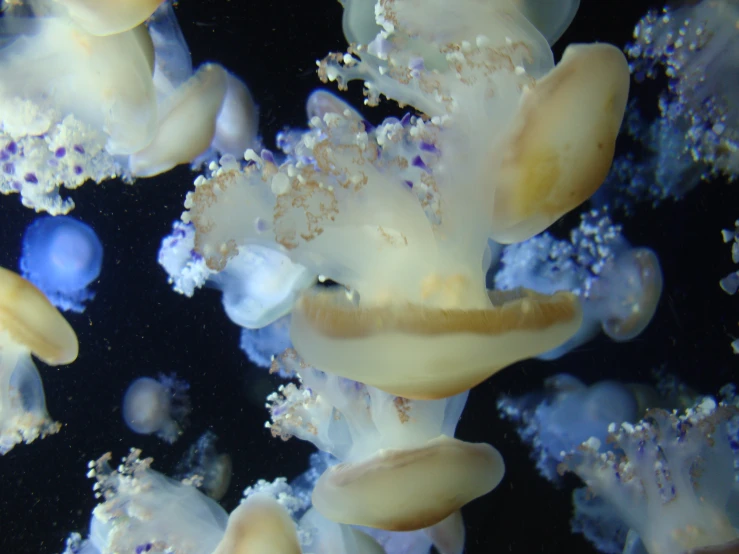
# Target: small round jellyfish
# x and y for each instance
(62, 256)
(203, 461)
(157, 406)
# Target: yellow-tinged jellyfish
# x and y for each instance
(29, 324)
(400, 214)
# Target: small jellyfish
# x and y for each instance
(62, 256)
(213, 470)
(619, 286)
(158, 406)
(695, 45)
(566, 414)
(260, 345)
(670, 477)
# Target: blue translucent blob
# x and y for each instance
(261, 344)
(566, 414)
(62, 257)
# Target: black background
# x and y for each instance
(137, 326)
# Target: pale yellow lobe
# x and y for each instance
(562, 142)
(109, 17)
(32, 322)
(404, 490)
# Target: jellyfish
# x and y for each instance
(619, 285)
(91, 93)
(141, 510)
(29, 325)
(695, 45)
(203, 462)
(730, 283)
(259, 285)
(400, 469)
(399, 215)
(62, 256)
(158, 406)
(567, 413)
(670, 477)
(262, 345)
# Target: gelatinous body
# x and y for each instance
(619, 286)
(669, 477)
(90, 92)
(566, 414)
(696, 45)
(62, 256)
(212, 469)
(400, 214)
(390, 448)
(158, 406)
(29, 324)
(260, 345)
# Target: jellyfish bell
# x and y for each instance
(404, 490)
(425, 353)
(628, 292)
(62, 256)
(157, 406)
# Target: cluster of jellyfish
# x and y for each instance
(362, 262)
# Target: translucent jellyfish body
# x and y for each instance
(261, 345)
(29, 324)
(669, 477)
(695, 44)
(158, 406)
(88, 93)
(204, 464)
(62, 256)
(259, 285)
(566, 414)
(400, 214)
(730, 283)
(400, 469)
(620, 286)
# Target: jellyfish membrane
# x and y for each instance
(212, 469)
(29, 324)
(141, 510)
(62, 256)
(626, 295)
(397, 457)
(172, 61)
(381, 211)
(158, 406)
(669, 477)
(695, 45)
(260, 286)
(619, 286)
(262, 345)
(566, 414)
